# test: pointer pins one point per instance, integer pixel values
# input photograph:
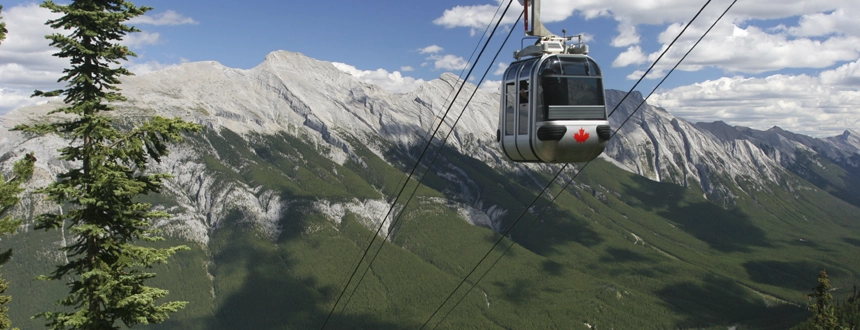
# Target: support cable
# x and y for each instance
(412, 171)
(577, 173)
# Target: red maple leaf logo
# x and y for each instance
(582, 136)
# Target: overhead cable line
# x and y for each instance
(412, 171)
(659, 57)
(582, 168)
(427, 137)
(578, 172)
(475, 50)
(433, 160)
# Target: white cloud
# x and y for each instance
(750, 49)
(633, 55)
(16, 98)
(490, 86)
(407, 68)
(500, 69)
(846, 75)
(652, 12)
(169, 17)
(626, 35)
(586, 37)
(799, 103)
(654, 74)
(475, 17)
(26, 57)
(147, 67)
(392, 82)
(432, 49)
(142, 38)
(448, 62)
(26, 60)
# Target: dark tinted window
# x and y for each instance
(510, 103)
(527, 69)
(511, 73)
(572, 91)
(569, 66)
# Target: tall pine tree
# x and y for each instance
(106, 268)
(2, 26)
(823, 312)
(9, 191)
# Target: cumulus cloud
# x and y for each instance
(654, 74)
(26, 57)
(432, 49)
(169, 17)
(393, 82)
(142, 38)
(447, 62)
(11, 99)
(149, 66)
(490, 86)
(626, 35)
(750, 49)
(500, 68)
(586, 37)
(633, 55)
(26, 60)
(475, 17)
(846, 75)
(813, 105)
(822, 24)
(407, 68)
(736, 44)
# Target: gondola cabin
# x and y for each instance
(553, 110)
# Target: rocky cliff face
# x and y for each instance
(314, 101)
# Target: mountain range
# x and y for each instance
(676, 225)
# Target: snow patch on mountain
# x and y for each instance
(292, 94)
(489, 217)
(369, 212)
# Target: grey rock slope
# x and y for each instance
(292, 94)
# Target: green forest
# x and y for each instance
(614, 250)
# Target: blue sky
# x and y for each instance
(788, 63)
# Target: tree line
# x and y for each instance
(107, 266)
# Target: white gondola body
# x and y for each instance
(553, 110)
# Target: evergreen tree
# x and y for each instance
(9, 191)
(101, 191)
(2, 26)
(823, 312)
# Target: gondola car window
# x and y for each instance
(575, 67)
(540, 113)
(572, 89)
(524, 108)
(511, 100)
(525, 76)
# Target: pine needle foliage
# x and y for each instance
(106, 269)
(823, 311)
(3, 30)
(9, 192)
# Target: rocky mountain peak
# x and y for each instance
(290, 92)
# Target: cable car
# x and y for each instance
(552, 107)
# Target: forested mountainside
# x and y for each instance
(677, 225)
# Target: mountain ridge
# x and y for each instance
(300, 162)
(291, 92)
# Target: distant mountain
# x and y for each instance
(832, 164)
(677, 225)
